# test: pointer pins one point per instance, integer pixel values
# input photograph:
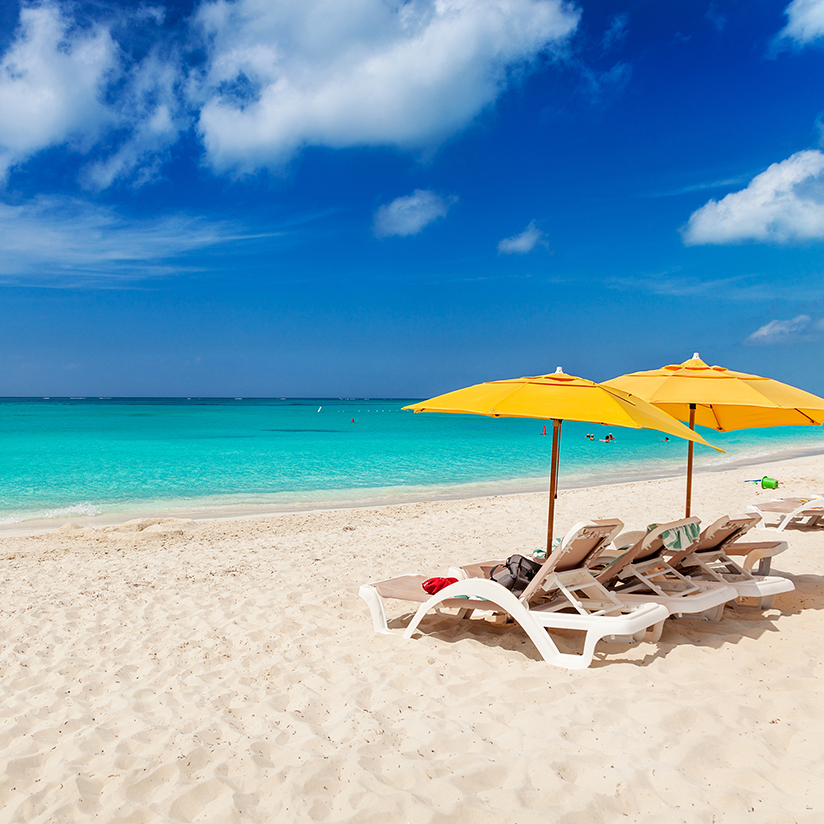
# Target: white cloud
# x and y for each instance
(281, 76)
(805, 21)
(51, 79)
(63, 241)
(149, 107)
(780, 331)
(276, 77)
(522, 243)
(782, 204)
(409, 215)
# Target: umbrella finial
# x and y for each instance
(696, 356)
(559, 370)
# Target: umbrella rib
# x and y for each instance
(492, 409)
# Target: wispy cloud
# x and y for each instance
(617, 32)
(409, 215)
(697, 187)
(66, 242)
(785, 331)
(150, 111)
(739, 288)
(525, 242)
(715, 18)
(783, 204)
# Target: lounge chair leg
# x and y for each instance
(653, 633)
(501, 597)
(750, 603)
(375, 604)
(715, 614)
(635, 638)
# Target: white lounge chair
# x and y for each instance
(639, 571)
(710, 559)
(808, 511)
(562, 595)
(726, 533)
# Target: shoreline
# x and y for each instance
(459, 492)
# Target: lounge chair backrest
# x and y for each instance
(582, 540)
(724, 531)
(579, 547)
(649, 546)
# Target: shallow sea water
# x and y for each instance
(66, 458)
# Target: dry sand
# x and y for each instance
(226, 671)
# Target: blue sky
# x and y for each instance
(385, 198)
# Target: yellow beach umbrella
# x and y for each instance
(557, 397)
(721, 399)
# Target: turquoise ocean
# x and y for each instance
(106, 459)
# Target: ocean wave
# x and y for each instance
(84, 509)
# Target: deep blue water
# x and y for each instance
(62, 458)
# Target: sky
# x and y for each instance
(379, 198)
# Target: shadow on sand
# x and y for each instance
(737, 624)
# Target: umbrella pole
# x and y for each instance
(553, 483)
(690, 448)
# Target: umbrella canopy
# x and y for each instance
(721, 399)
(557, 397)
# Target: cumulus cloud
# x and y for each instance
(525, 242)
(51, 83)
(805, 21)
(781, 331)
(271, 77)
(69, 82)
(63, 241)
(281, 76)
(409, 215)
(783, 204)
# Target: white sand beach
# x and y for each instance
(226, 671)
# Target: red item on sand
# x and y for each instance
(434, 585)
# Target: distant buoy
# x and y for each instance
(544, 432)
(353, 420)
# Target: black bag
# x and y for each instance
(515, 574)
